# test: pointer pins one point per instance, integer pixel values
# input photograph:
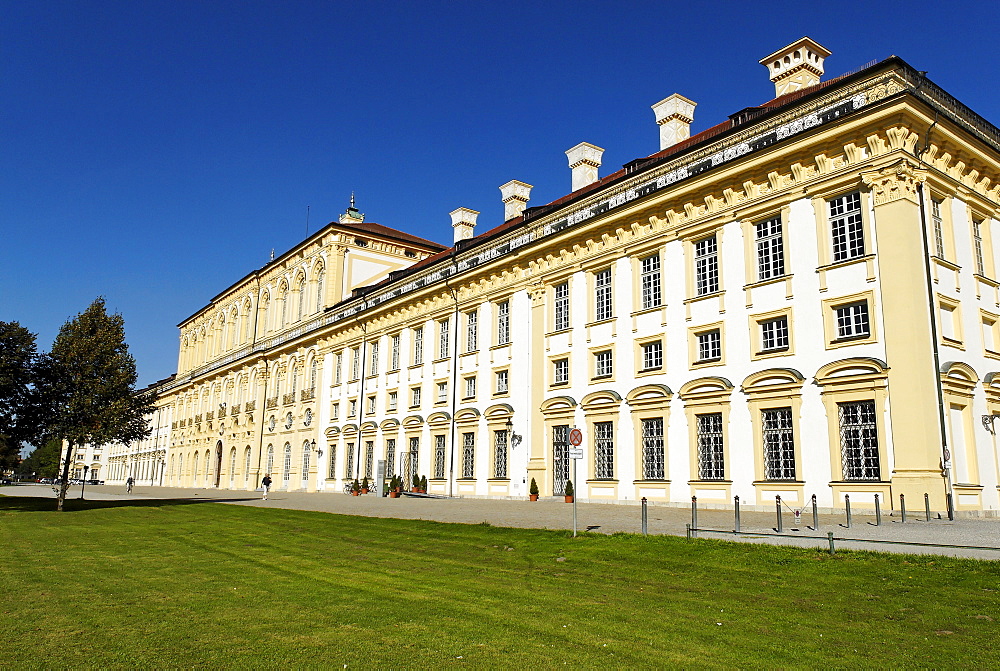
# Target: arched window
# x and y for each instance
(180, 470)
(301, 291)
(194, 471)
(287, 473)
(246, 466)
(232, 468)
(293, 378)
(284, 305)
(264, 312)
(306, 454)
(234, 328)
(270, 460)
(312, 375)
(224, 332)
(320, 276)
(208, 467)
(247, 308)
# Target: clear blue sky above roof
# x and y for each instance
(155, 152)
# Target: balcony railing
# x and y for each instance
(271, 403)
(251, 406)
(235, 410)
(308, 394)
(288, 398)
(209, 416)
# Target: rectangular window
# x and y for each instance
(938, 222)
(706, 266)
(710, 447)
(349, 451)
(560, 458)
(415, 397)
(369, 458)
(393, 400)
(444, 344)
(333, 461)
(602, 295)
(774, 334)
(503, 380)
(356, 364)
(652, 449)
(652, 355)
(561, 306)
(336, 411)
(338, 368)
(439, 457)
(560, 371)
(603, 365)
(390, 457)
(500, 454)
(352, 409)
(770, 249)
(649, 282)
(852, 320)
(470, 387)
(604, 450)
(468, 455)
(371, 405)
(846, 227)
(471, 332)
(710, 345)
(418, 346)
(374, 366)
(394, 355)
(503, 323)
(779, 444)
(977, 245)
(859, 441)
(442, 392)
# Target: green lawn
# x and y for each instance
(177, 584)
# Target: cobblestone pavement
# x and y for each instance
(601, 518)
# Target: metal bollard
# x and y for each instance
(951, 507)
(688, 530)
(829, 537)
(878, 512)
(927, 507)
(644, 516)
(847, 503)
(815, 514)
(777, 511)
(736, 500)
(902, 509)
(694, 515)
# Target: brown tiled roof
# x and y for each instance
(386, 232)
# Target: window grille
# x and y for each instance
(709, 345)
(350, 460)
(369, 458)
(779, 444)
(603, 366)
(706, 266)
(500, 454)
(770, 249)
(710, 447)
(652, 355)
(938, 227)
(652, 449)
(562, 306)
(390, 457)
(602, 295)
(438, 456)
(649, 282)
(852, 320)
(394, 361)
(418, 346)
(604, 450)
(560, 459)
(502, 381)
(468, 455)
(846, 227)
(332, 451)
(503, 323)
(472, 332)
(444, 346)
(561, 371)
(774, 334)
(859, 441)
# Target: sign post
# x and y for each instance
(575, 453)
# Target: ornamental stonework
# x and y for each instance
(895, 182)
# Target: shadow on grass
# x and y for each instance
(34, 504)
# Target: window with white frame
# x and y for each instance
(560, 371)
(390, 457)
(286, 474)
(503, 323)
(470, 387)
(604, 450)
(337, 369)
(468, 455)
(418, 345)
(779, 443)
(349, 465)
(846, 227)
(852, 320)
(352, 408)
(977, 245)
(471, 331)
(503, 380)
(652, 449)
(561, 306)
(336, 411)
(442, 395)
(371, 405)
(332, 451)
(603, 364)
(774, 334)
(710, 447)
(356, 363)
(394, 353)
(859, 441)
(393, 400)
(770, 249)
(938, 222)
(444, 342)
(602, 295)
(500, 454)
(706, 266)
(652, 355)
(710, 345)
(415, 397)
(374, 365)
(439, 456)
(369, 458)
(649, 282)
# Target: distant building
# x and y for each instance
(801, 300)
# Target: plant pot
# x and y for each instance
(569, 499)
(532, 497)
(393, 495)
(364, 491)
(355, 493)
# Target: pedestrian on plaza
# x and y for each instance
(266, 484)
(128, 484)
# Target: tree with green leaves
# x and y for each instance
(43, 462)
(17, 361)
(86, 386)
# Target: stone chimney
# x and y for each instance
(463, 220)
(584, 160)
(674, 116)
(515, 196)
(795, 67)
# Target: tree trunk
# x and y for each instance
(64, 485)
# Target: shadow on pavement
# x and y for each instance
(33, 504)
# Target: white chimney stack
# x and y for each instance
(584, 160)
(674, 116)
(515, 196)
(463, 220)
(797, 66)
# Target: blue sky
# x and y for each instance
(155, 152)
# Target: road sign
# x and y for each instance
(576, 453)
(576, 437)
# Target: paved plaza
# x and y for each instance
(599, 517)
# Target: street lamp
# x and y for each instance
(515, 439)
(84, 484)
(318, 451)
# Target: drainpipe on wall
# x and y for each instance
(361, 386)
(454, 383)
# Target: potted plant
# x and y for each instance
(423, 484)
(393, 488)
(569, 491)
(416, 483)
(355, 488)
(364, 485)
(533, 491)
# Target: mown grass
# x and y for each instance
(178, 584)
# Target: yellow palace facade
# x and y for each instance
(802, 300)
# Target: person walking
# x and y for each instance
(266, 484)
(128, 484)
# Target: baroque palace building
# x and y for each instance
(801, 300)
